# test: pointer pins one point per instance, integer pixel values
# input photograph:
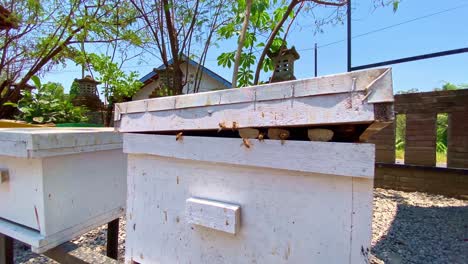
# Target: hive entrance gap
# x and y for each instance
(341, 133)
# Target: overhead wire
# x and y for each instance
(330, 43)
(392, 26)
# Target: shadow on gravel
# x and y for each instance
(425, 235)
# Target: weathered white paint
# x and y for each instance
(362, 201)
(213, 214)
(40, 243)
(342, 98)
(62, 182)
(295, 209)
(22, 195)
(344, 159)
(208, 83)
(326, 109)
(47, 142)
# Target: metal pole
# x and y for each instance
(315, 62)
(6, 250)
(113, 239)
(412, 58)
(349, 35)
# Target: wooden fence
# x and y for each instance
(419, 171)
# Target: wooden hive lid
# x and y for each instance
(46, 142)
(340, 98)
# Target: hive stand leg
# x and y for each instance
(113, 239)
(71, 253)
(6, 249)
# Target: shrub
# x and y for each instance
(48, 104)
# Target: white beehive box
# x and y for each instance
(59, 183)
(213, 199)
(299, 202)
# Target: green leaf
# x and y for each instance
(10, 104)
(227, 31)
(245, 77)
(396, 3)
(38, 119)
(36, 81)
(226, 59)
(279, 13)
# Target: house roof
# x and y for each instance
(153, 75)
(89, 79)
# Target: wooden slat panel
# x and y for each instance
(384, 142)
(432, 102)
(457, 155)
(420, 139)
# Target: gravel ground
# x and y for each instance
(95, 240)
(413, 227)
(408, 227)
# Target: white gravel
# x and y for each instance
(408, 227)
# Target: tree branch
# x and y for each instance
(278, 27)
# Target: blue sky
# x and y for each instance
(439, 25)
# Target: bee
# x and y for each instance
(179, 136)
(246, 143)
(283, 136)
(222, 126)
(261, 137)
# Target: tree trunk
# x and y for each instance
(178, 74)
(178, 78)
(108, 115)
(272, 37)
(240, 44)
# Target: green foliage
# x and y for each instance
(245, 76)
(226, 59)
(48, 104)
(264, 16)
(441, 139)
(442, 126)
(118, 86)
(74, 89)
(396, 4)
(400, 132)
(412, 90)
(51, 32)
(448, 86)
